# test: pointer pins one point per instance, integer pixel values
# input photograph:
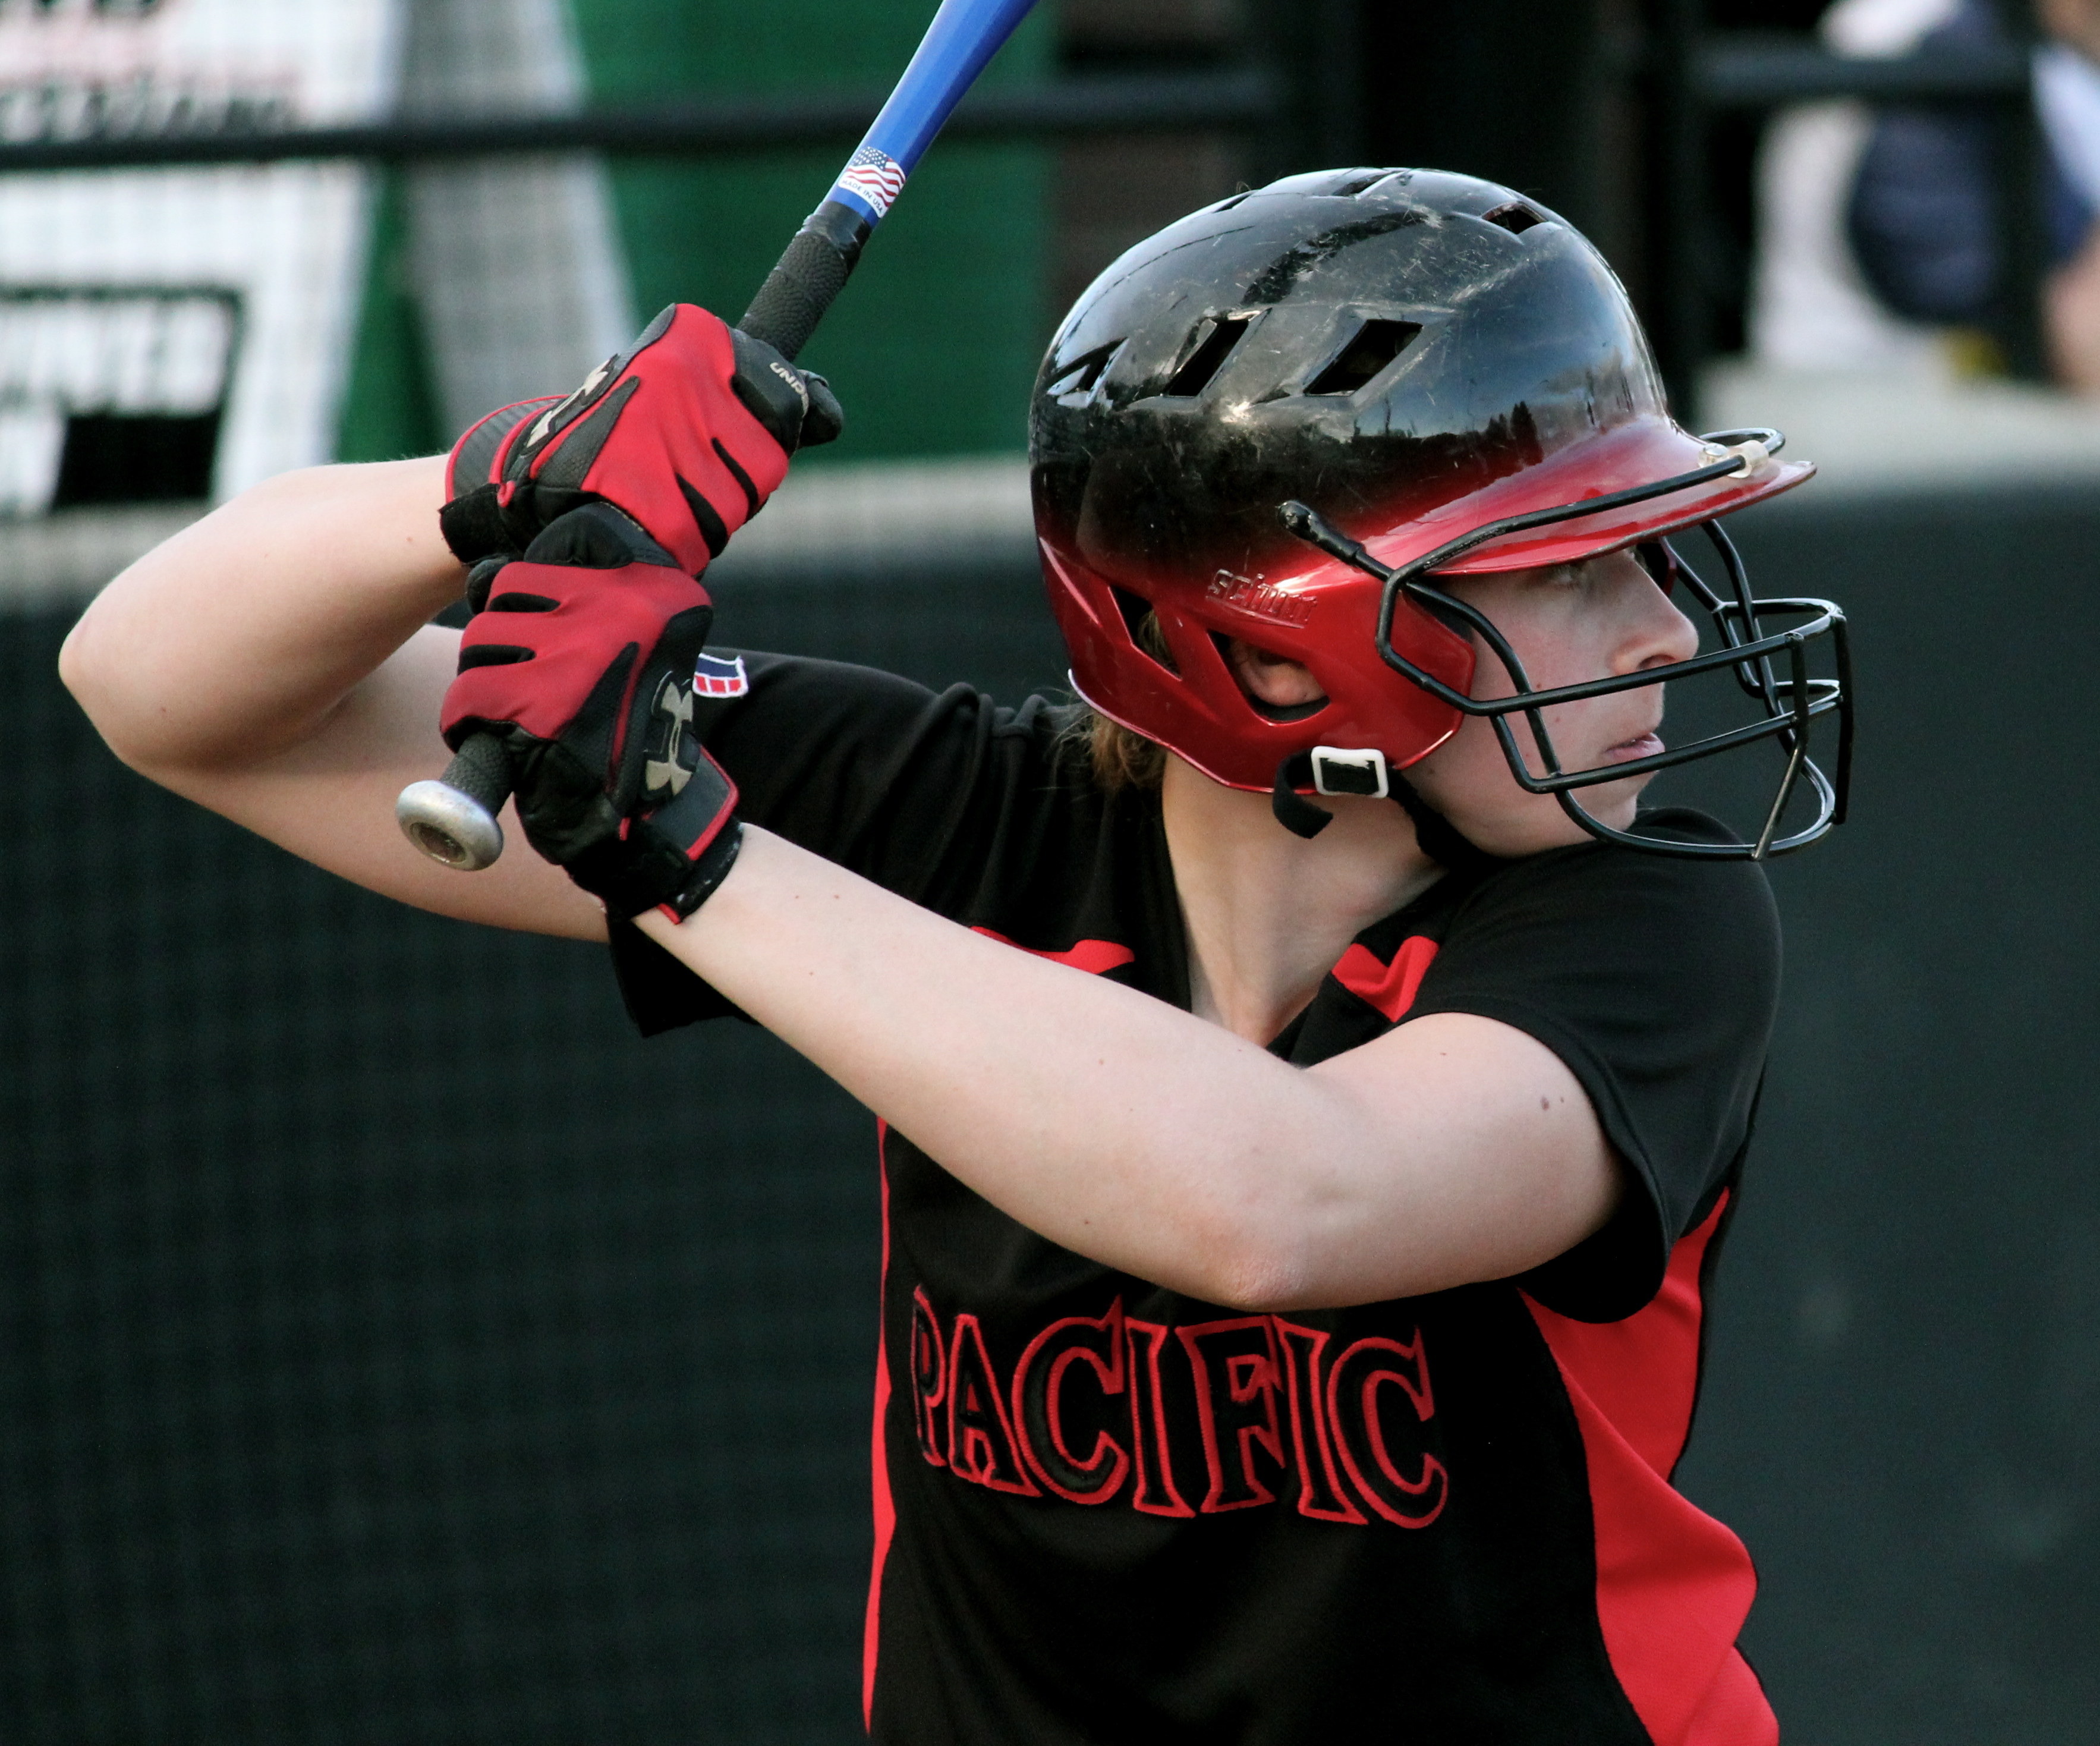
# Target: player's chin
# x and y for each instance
(1615, 803)
(1540, 822)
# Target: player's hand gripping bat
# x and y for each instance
(453, 820)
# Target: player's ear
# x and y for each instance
(1269, 678)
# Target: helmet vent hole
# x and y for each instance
(1209, 355)
(1515, 218)
(1084, 373)
(1143, 625)
(1357, 183)
(1376, 344)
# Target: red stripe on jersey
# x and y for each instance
(1092, 956)
(885, 1508)
(1673, 1586)
(1391, 988)
(1735, 1712)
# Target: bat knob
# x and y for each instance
(453, 818)
(449, 826)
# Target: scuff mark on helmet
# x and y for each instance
(1282, 276)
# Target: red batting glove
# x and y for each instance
(581, 659)
(688, 432)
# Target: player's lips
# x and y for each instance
(1644, 744)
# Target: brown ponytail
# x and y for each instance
(1119, 757)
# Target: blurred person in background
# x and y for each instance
(1883, 240)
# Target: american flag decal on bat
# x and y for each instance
(713, 677)
(875, 176)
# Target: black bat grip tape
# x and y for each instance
(796, 293)
(480, 769)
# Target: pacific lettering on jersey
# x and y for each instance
(980, 1445)
(1041, 1424)
(1088, 1416)
(1234, 1365)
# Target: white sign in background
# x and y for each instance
(66, 350)
(517, 263)
(288, 240)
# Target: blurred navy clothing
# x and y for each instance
(1923, 221)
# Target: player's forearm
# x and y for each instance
(1121, 1127)
(1046, 1089)
(236, 639)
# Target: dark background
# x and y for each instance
(392, 1348)
(1573, 104)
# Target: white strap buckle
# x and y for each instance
(1337, 770)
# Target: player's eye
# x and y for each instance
(1660, 564)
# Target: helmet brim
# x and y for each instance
(1642, 451)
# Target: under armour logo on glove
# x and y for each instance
(674, 752)
(674, 746)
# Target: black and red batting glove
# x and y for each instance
(579, 658)
(689, 431)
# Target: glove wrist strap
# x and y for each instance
(708, 869)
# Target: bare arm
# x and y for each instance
(1451, 1150)
(272, 663)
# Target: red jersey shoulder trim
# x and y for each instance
(1390, 988)
(1092, 956)
(1673, 1586)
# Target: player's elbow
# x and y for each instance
(1254, 1287)
(1253, 1263)
(94, 672)
(84, 673)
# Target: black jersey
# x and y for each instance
(1106, 1512)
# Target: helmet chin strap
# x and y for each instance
(1293, 811)
(1437, 836)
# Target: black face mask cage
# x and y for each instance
(1771, 668)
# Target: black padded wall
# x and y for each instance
(391, 1348)
(1904, 1421)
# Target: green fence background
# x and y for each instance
(935, 348)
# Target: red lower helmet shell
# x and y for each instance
(1324, 613)
(1325, 616)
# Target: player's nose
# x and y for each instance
(1653, 632)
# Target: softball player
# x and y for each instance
(1314, 1089)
